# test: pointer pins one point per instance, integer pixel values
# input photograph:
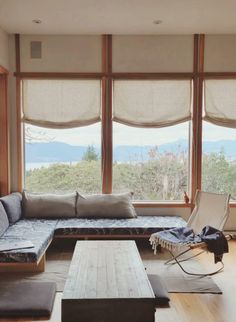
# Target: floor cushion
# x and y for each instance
(22, 299)
(159, 289)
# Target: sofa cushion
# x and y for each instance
(4, 223)
(106, 206)
(12, 205)
(49, 205)
(38, 231)
(142, 225)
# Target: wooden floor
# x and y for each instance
(189, 307)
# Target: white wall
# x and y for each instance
(130, 54)
(4, 51)
(152, 53)
(62, 54)
(231, 223)
(171, 211)
(220, 53)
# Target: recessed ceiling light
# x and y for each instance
(38, 21)
(157, 22)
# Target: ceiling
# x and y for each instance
(118, 16)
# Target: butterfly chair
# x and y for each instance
(210, 209)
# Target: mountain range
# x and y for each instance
(63, 152)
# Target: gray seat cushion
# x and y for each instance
(12, 205)
(142, 225)
(23, 299)
(4, 223)
(39, 232)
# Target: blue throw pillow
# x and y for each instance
(4, 223)
(12, 206)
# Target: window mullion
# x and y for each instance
(107, 135)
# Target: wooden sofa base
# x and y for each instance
(24, 267)
(40, 265)
(110, 236)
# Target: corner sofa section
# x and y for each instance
(39, 232)
(42, 231)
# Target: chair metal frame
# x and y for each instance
(177, 259)
(174, 258)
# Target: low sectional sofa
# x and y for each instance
(17, 225)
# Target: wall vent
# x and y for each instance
(36, 49)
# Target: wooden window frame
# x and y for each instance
(224, 76)
(4, 134)
(107, 76)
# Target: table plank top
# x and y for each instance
(107, 270)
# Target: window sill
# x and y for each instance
(159, 204)
(175, 204)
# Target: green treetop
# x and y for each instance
(90, 154)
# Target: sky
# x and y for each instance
(125, 135)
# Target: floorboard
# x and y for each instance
(186, 307)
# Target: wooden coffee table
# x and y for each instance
(107, 282)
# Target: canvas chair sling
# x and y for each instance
(210, 209)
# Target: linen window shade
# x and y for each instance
(220, 102)
(61, 103)
(151, 103)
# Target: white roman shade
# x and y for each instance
(220, 102)
(61, 103)
(151, 103)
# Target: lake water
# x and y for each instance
(36, 165)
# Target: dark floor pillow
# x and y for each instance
(159, 289)
(23, 299)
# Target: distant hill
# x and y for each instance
(227, 146)
(53, 152)
(62, 152)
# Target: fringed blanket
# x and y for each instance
(174, 239)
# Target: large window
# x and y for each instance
(62, 132)
(157, 133)
(63, 160)
(153, 163)
(151, 148)
(219, 159)
(219, 137)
